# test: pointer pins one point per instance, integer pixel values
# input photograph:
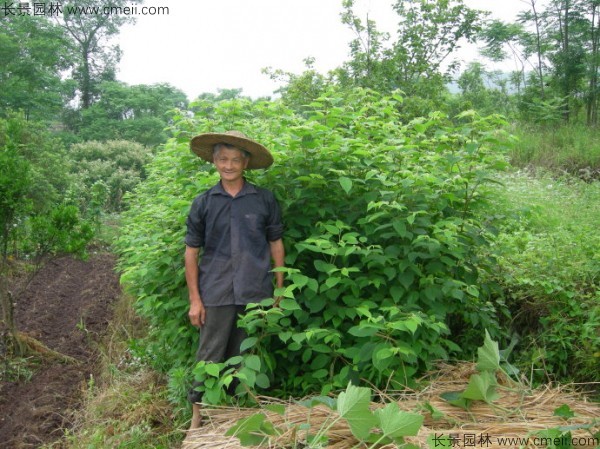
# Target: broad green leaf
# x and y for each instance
(320, 374)
(248, 343)
(434, 411)
(397, 424)
(285, 336)
(456, 399)
(564, 411)
(346, 183)
(276, 408)
(353, 405)
(407, 278)
(252, 362)
(323, 266)
(488, 355)
(413, 323)
(315, 400)
(289, 304)
(262, 380)
(363, 331)
(482, 387)
(212, 369)
(299, 279)
(252, 430)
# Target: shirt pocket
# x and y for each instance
(254, 224)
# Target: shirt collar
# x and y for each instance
(247, 189)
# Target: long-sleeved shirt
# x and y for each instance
(234, 233)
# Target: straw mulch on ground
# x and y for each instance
(519, 412)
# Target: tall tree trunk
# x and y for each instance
(567, 81)
(538, 49)
(592, 98)
(9, 343)
(86, 84)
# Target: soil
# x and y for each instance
(67, 306)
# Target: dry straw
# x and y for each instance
(519, 412)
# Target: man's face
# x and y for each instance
(230, 164)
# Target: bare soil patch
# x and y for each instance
(67, 306)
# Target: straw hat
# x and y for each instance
(203, 145)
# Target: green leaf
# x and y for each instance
(212, 369)
(434, 411)
(413, 323)
(397, 424)
(251, 431)
(320, 374)
(353, 405)
(346, 183)
(285, 336)
(323, 266)
(482, 387)
(289, 304)
(248, 343)
(262, 380)
(276, 408)
(363, 331)
(332, 281)
(488, 355)
(564, 411)
(252, 362)
(299, 279)
(406, 278)
(456, 399)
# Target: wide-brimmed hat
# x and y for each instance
(203, 145)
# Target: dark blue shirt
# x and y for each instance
(234, 233)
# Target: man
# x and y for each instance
(239, 227)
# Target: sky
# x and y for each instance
(203, 45)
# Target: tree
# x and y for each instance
(299, 90)
(366, 68)
(32, 56)
(560, 44)
(429, 32)
(136, 113)
(91, 26)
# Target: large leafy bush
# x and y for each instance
(105, 171)
(383, 272)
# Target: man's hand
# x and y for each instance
(197, 313)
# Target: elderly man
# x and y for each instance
(238, 226)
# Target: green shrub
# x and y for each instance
(105, 171)
(33, 178)
(383, 272)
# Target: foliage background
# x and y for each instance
(381, 242)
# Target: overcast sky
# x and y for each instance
(203, 45)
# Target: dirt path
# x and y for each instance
(67, 306)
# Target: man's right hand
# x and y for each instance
(197, 313)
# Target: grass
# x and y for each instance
(574, 149)
(548, 252)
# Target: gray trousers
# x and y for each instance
(220, 339)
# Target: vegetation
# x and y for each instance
(104, 171)
(548, 265)
(408, 235)
(35, 218)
